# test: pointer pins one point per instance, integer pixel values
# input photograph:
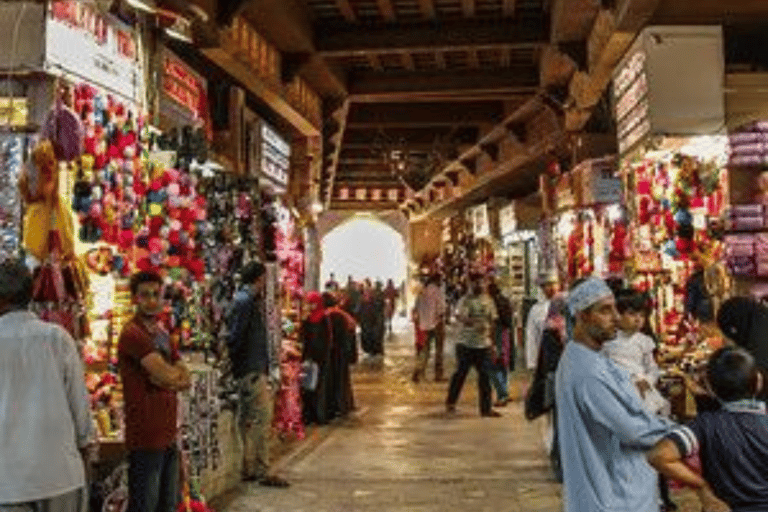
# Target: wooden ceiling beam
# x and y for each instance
(440, 60)
(474, 59)
(468, 8)
(611, 36)
(340, 115)
(412, 137)
(346, 10)
(508, 8)
(520, 32)
(374, 62)
(428, 114)
(367, 86)
(427, 8)
(408, 62)
(506, 57)
(387, 10)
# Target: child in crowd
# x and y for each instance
(633, 351)
(732, 441)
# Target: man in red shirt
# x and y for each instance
(152, 373)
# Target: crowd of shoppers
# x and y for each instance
(372, 306)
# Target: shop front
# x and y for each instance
(673, 166)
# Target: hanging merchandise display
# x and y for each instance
(676, 199)
(587, 221)
(12, 149)
(285, 294)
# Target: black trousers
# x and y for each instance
(465, 359)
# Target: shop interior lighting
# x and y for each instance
(147, 6)
(180, 30)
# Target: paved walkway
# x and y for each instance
(401, 452)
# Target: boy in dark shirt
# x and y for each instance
(732, 441)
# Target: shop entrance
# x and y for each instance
(364, 247)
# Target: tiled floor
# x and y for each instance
(401, 452)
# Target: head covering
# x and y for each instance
(315, 301)
(588, 293)
(550, 276)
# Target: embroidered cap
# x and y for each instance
(588, 293)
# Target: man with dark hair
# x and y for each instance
(476, 313)
(429, 315)
(732, 441)
(252, 362)
(152, 373)
(45, 415)
(602, 427)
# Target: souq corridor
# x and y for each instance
(401, 452)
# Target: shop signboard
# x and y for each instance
(481, 227)
(508, 219)
(98, 48)
(275, 158)
(670, 82)
(393, 195)
(344, 193)
(184, 92)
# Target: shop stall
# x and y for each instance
(673, 160)
(586, 222)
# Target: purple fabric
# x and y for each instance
(65, 130)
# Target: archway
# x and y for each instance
(364, 246)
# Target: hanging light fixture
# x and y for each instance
(148, 6)
(181, 30)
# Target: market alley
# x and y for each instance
(402, 453)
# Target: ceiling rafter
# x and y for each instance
(440, 60)
(408, 62)
(473, 58)
(427, 8)
(412, 86)
(374, 62)
(468, 8)
(506, 57)
(387, 10)
(520, 32)
(346, 10)
(508, 8)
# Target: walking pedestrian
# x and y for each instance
(152, 373)
(603, 429)
(343, 355)
(429, 315)
(476, 314)
(534, 326)
(498, 367)
(46, 429)
(252, 366)
(316, 338)
(390, 295)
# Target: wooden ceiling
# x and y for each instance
(432, 77)
(423, 77)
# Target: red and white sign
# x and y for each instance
(94, 47)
